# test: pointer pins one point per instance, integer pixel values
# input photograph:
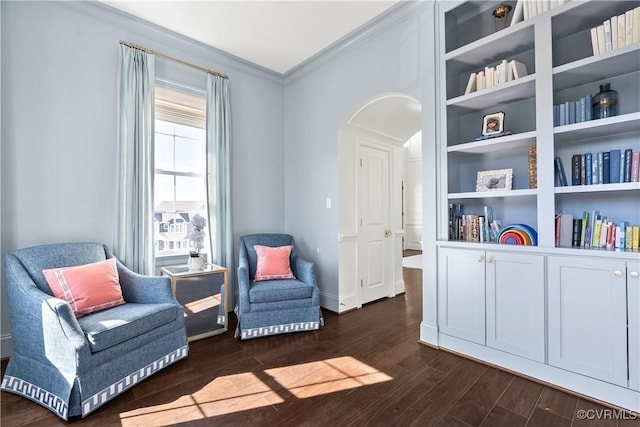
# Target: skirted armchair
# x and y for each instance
(73, 365)
(275, 305)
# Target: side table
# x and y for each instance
(203, 294)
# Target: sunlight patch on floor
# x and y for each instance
(249, 390)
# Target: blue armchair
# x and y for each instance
(73, 366)
(275, 306)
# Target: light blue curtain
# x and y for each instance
(219, 172)
(134, 239)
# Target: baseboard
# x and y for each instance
(428, 334)
(330, 302)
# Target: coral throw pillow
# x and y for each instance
(87, 288)
(273, 263)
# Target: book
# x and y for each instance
(583, 232)
(621, 31)
(607, 35)
(576, 229)
(627, 165)
(614, 32)
(594, 169)
(588, 161)
(614, 169)
(557, 235)
(588, 105)
(621, 166)
(635, 166)
(519, 69)
(606, 163)
(636, 25)
(566, 230)
(572, 112)
(575, 169)
(518, 13)
(595, 242)
(595, 217)
(594, 41)
(471, 84)
(636, 237)
(628, 237)
(480, 81)
(628, 31)
(602, 46)
(562, 178)
(623, 231)
(583, 169)
(600, 168)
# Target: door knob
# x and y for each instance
(634, 274)
(617, 273)
(387, 233)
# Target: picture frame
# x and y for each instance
(493, 124)
(494, 180)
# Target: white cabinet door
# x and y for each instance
(587, 310)
(633, 307)
(515, 304)
(461, 303)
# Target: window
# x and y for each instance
(180, 155)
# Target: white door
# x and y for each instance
(375, 234)
(515, 304)
(633, 313)
(588, 317)
(461, 293)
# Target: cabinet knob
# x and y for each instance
(617, 273)
(481, 258)
(490, 259)
(634, 274)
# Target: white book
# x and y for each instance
(566, 230)
(607, 35)
(546, 5)
(525, 9)
(480, 80)
(602, 46)
(628, 24)
(594, 41)
(519, 69)
(636, 25)
(496, 77)
(533, 8)
(504, 73)
(621, 31)
(614, 32)
(518, 12)
(553, 3)
(471, 84)
(488, 78)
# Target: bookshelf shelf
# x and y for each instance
(593, 68)
(504, 143)
(514, 90)
(494, 194)
(598, 128)
(598, 188)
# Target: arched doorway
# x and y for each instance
(371, 168)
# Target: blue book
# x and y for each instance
(623, 231)
(572, 112)
(562, 177)
(556, 115)
(600, 170)
(563, 118)
(614, 168)
(582, 116)
(589, 169)
(589, 106)
(606, 167)
(578, 114)
(627, 165)
(594, 169)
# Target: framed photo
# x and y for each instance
(496, 180)
(493, 123)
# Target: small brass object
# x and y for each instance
(501, 12)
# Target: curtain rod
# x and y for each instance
(170, 58)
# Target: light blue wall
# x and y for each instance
(396, 54)
(58, 158)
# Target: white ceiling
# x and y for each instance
(277, 35)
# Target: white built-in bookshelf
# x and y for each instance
(567, 315)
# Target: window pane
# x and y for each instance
(189, 155)
(165, 127)
(189, 132)
(190, 189)
(164, 152)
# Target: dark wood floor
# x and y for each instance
(364, 368)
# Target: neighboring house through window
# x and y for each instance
(180, 155)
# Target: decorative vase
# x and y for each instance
(605, 103)
(195, 262)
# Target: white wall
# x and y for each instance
(413, 193)
(58, 114)
(396, 55)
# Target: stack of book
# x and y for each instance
(473, 228)
(526, 9)
(489, 77)
(595, 231)
(570, 112)
(617, 32)
(603, 167)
